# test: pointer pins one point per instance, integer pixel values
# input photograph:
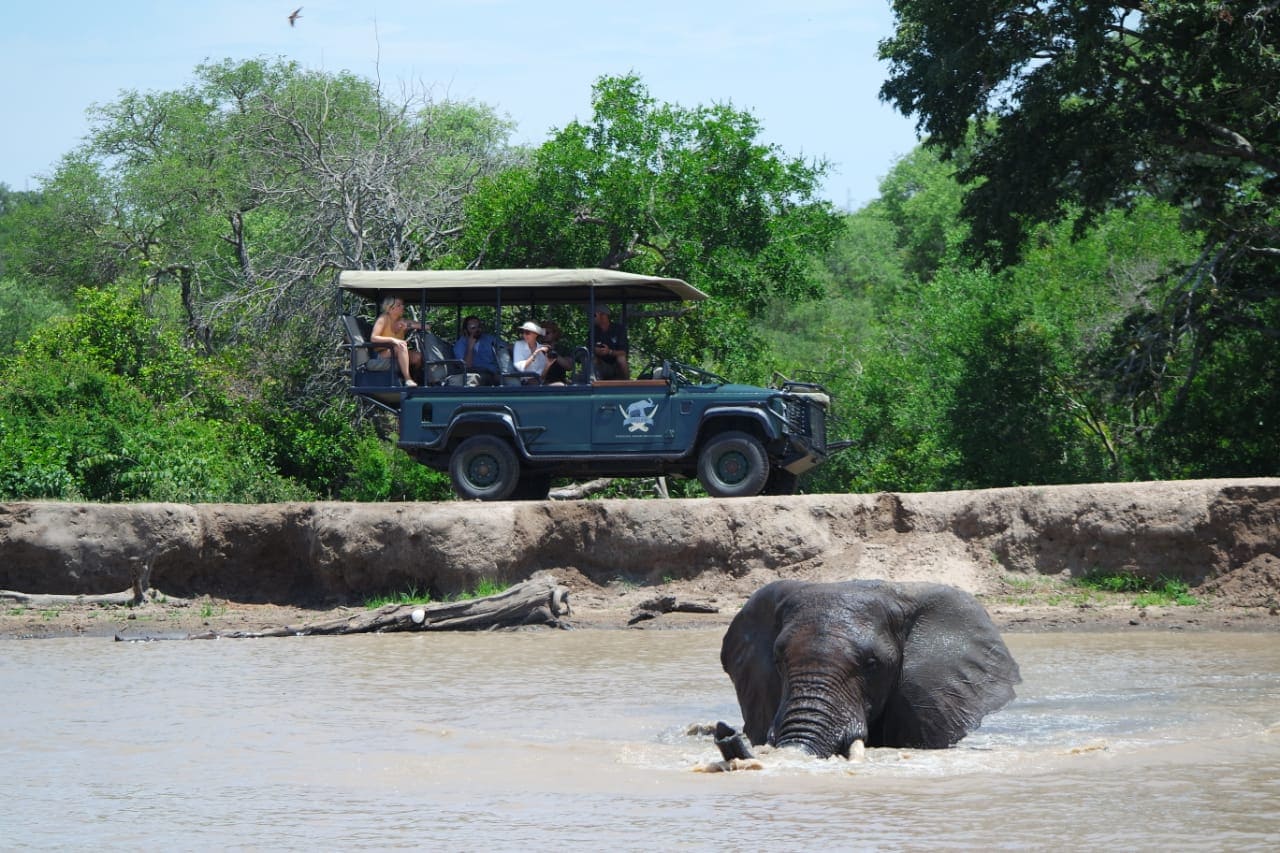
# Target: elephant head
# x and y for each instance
(820, 666)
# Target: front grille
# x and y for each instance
(808, 419)
(798, 415)
(818, 426)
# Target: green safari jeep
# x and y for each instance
(509, 440)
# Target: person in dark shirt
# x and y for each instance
(611, 347)
(475, 348)
(559, 363)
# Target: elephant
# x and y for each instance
(821, 666)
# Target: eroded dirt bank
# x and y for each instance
(1014, 548)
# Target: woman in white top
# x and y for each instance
(528, 355)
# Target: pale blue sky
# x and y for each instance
(805, 68)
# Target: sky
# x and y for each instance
(806, 69)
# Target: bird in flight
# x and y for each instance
(294, 16)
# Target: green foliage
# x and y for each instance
(1061, 112)
(409, 596)
(75, 432)
(963, 377)
(166, 314)
(483, 588)
(22, 312)
(1151, 592)
(662, 189)
(105, 406)
(922, 198)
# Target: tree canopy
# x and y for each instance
(664, 189)
(1074, 280)
(1092, 104)
(247, 185)
(1063, 111)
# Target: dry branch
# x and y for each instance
(578, 491)
(533, 602)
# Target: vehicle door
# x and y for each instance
(632, 417)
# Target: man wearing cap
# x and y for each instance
(528, 354)
(611, 347)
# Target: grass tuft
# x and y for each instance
(1161, 591)
(483, 588)
(408, 596)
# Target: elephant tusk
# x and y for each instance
(858, 751)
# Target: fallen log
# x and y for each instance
(655, 607)
(578, 491)
(128, 598)
(533, 602)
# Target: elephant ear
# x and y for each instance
(955, 669)
(747, 655)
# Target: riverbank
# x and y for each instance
(702, 604)
(650, 565)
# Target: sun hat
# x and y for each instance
(531, 326)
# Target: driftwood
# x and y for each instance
(533, 602)
(578, 491)
(140, 593)
(128, 598)
(655, 607)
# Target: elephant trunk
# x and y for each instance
(819, 721)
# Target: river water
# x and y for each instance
(577, 740)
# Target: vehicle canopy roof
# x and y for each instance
(524, 286)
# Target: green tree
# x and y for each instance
(921, 198)
(245, 187)
(224, 205)
(658, 188)
(106, 404)
(1066, 111)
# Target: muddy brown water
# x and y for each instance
(577, 740)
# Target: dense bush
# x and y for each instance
(108, 405)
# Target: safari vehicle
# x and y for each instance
(508, 441)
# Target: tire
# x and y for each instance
(733, 465)
(484, 468)
(532, 487)
(781, 482)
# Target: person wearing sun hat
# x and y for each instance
(529, 355)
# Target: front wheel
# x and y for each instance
(484, 468)
(733, 465)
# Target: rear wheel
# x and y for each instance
(733, 465)
(484, 468)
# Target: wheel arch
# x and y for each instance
(753, 422)
(499, 424)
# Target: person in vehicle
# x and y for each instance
(475, 348)
(558, 363)
(391, 328)
(528, 354)
(611, 347)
